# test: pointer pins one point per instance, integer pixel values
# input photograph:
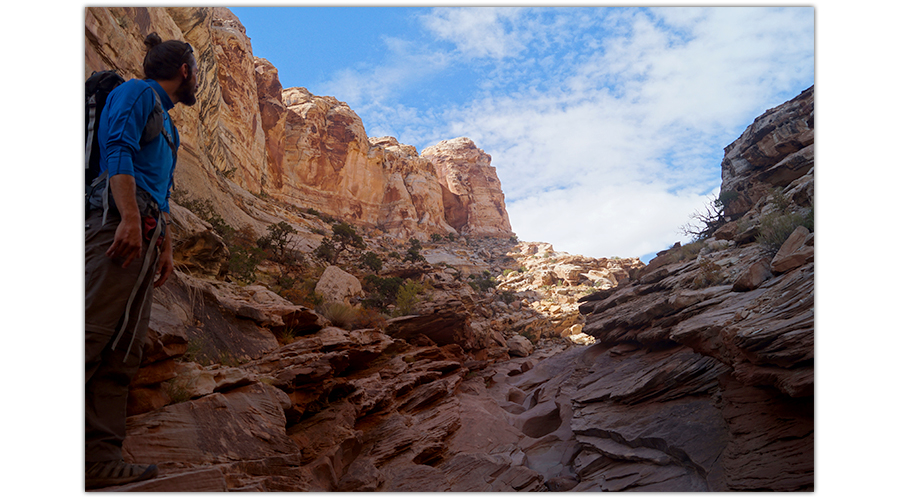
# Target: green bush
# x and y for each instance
(507, 296)
(345, 236)
(326, 251)
(407, 297)
(776, 227)
(372, 261)
(381, 292)
(243, 261)
(413, 253)
(277, 239)
(206, 211)
(482, 282)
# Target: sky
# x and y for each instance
(606, 125)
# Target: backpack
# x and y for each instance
(96, 91)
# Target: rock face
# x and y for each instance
(774, 151)
(248, 135)
(473, 200)
(332, 166)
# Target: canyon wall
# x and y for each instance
(247, 135)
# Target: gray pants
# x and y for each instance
(108, 371)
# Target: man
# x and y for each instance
(127, 246)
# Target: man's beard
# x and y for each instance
(185, 92)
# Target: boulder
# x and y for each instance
(337, 285)
(519, 346)
(795, 251)
(752, 277)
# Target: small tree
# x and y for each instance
(277, 239)
(707, 220)
(372, 261)
(326, 251)
(413, 252)
(381, 291)
(345, 236)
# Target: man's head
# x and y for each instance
(172, 60)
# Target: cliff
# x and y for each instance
(248, 135)
(343, 357)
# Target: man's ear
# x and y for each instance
(185, 71)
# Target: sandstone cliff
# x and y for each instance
(248, 135)
(467, 361)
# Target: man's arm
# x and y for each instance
(128, 241)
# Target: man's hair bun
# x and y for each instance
(152, 40)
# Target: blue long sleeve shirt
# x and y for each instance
(119, 133)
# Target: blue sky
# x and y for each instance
(606, 125)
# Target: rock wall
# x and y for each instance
(248, 135)
(473, 200)
(739, 313)
(774, 150)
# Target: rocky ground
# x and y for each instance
(693, 373)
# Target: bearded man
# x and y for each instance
(126, 238)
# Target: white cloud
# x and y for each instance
(606, 125)
(478, 31)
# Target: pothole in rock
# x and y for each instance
(541, 425)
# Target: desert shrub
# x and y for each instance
(206, 211)
(345, 236)
(243, 261)
(482, 282)
(368, 317)
(372, 261)
(277, 239)
(507, 296)
(711, 274)
(304, 294)
(339, 314)
(435, 238)
(413, 253)
(407, 296)
(326, 251)
(244, 255)
(395, 255)
(775, 227)
(709, 219)
(381, 292)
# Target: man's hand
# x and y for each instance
(128, 242)
(129, 238)
(166, 263)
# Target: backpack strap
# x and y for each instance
(92, 126)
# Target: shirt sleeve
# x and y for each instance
(125, 116)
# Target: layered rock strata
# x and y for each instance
(247, 136)
(473, 200)
(774, 150)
